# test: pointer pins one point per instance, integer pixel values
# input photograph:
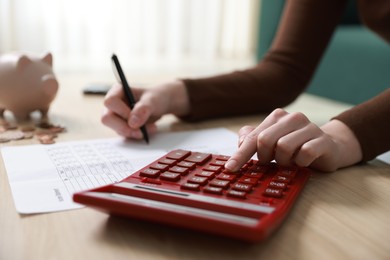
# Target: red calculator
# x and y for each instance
(193, 190)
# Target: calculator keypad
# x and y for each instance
(204, 173)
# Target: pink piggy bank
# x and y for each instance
(27, 84)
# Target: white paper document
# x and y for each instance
(43, 178)
(385, 157)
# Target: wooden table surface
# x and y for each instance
(343, 215)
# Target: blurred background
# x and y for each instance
(183, 37)
(159, 40)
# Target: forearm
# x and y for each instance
(281, 76)
(179, 103)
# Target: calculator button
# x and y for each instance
(244, 168)
(189, 165)
(225, 171)
(152, 181)
(267, 201)
(252, 162)
(212, 168)
(220, 183)
(170, 176)
(252, 174)
(259, 168)
(218, 162)
(178, 154)
(242, 187)
(159, 166)
(270, 192)
(208, 175)
(222, 157)
(198, 158)
(228, 177)
(280, 178)
(248, 180)
(190, 186)
(215, 190)
(277, 185)
(287, 172)
(150, 173)
(199, 180)
(237, 194)
(178, 169)
(167, 161)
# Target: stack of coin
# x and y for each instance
(8, 132)
(11, 135)
(45, 132)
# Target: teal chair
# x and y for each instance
(356, 65)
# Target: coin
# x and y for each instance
(46, 139)
(4, 140)
(28, 135)
(27, 128)
(57, 129)
(44, 131)
(44, 125)
(3, 128)
(12, 135)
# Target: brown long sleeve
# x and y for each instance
(305, 30)
(370, 122)
(303, 35)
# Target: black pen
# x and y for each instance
(128, 94)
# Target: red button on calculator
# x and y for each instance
(192, 190)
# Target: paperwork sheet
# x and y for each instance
(385, 157)
(43, 178)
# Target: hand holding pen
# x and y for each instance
(128, 93)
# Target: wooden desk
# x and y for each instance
(344, 215)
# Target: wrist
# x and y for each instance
(350, 151)
(178, 97)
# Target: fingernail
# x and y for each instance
(136, 135)
(134, 121)
(231, 165)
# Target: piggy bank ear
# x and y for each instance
(48, 58)
(22, 63)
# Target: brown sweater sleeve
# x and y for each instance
(304, 32)
(370, 122)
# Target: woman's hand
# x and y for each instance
(152, 104)
(291, 139)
